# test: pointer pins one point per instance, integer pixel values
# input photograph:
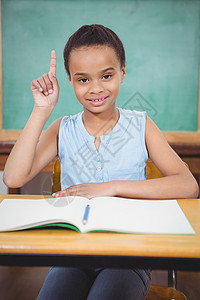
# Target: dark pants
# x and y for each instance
(99, 284)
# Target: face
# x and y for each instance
(96, 76)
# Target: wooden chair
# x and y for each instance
(156, 292)
(56, 186)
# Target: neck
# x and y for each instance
(102, 123)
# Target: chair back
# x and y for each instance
(56, 186)
(152, 171)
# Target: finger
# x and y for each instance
(53, 63)
(70, 191)
(62, 193)
(36, 86)
(73, 190)
(43, 85)
(48, 83)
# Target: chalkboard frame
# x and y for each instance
(172, 136)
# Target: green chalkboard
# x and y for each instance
(161, 38)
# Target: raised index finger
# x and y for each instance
(53, 63)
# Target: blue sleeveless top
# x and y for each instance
(122, 154)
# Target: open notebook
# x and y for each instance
(98, 214)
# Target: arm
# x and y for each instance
(29, 155)
(177, 182)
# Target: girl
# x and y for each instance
(102, 150)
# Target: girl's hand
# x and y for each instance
(45, 89)
(87, 190)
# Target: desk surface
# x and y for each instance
(140, 249)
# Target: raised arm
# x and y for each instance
(29, 156)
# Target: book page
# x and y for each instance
(137, 216)
(16, 214)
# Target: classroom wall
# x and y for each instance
(162, 45)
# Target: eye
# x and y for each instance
(83, 80)
(107, 76)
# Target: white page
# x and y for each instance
(26, 213)
(137, 216)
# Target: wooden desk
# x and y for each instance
(46, 247)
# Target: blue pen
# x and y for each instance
(85, 217)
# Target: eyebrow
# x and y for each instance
(102, 71)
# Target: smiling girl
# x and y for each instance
(102, 150)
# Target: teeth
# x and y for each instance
(100, 99)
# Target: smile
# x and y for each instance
(98, 101)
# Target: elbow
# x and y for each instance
(196, 190)
(193, 189)
(10, 181)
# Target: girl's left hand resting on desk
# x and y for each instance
(87, 190)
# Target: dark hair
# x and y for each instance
(91, 35)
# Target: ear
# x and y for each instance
(70, 80)
(123, 72)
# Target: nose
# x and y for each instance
(96, 87)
